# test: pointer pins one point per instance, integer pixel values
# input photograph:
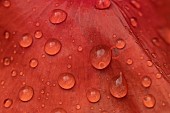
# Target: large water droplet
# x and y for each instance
(58, 16)
(100, 57)
(8, 102)
(120, 44)
(165, 34)
(102, 4)
(93, 95)
(149, 101)
(118, 86)
(52, 46)
(66, 80)
(58, 110)
(26, 93)
(38, 34)
(146, 81)
(26, 40)
(6, 3)
(33, 63)
(133, 22)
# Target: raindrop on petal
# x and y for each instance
(58, 16)
(100, 57)
(93, 95)
(118, 86)
(26, 93)
(66, 80)
(149, 101)
(52, 46)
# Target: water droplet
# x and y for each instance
(58, 16)
(149, 101)
(78, 107)
(93, 95)
(26, 93)
(133, 22)
(26, 40)
(37, 24)
(102, 4)
(6, 3)
(146, 81)
(129, 61)
(69, 66)
(52, 46)
(120, 44)
(33, 63)
(66, 80)
(6, 61)
(149, 63)
(155, 41)
(135, 4)
(118, 86)
(38, 34)
(80, 48)
(100, 57)
(165, 34)
(158, 75)
(58, 110)
(6, 35)
(8, 102)
(13, 73)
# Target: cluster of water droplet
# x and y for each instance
(100, 58)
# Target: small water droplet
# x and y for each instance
(100, 57)
(78, 107)
(135, 4)
(102, 4)
(69, 66)
(133, 22)
(33, 63)
(66, 80)
(8, 102)
(120, 44)
(58, 110)
(6, 3)
(146, 81)
(6, 61)
(52, 46)
(158, 75)
(6, 35)
(80, 48)
(118, 86)
(129, 61)
(155, 41)
(37, 24)
(58, 16)
(149, 101)
(2, 82)
(93, 95)
(38, 34)
(26, 40)
(26, 93)
(14, 73)
(165, 34)
(149, 63)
